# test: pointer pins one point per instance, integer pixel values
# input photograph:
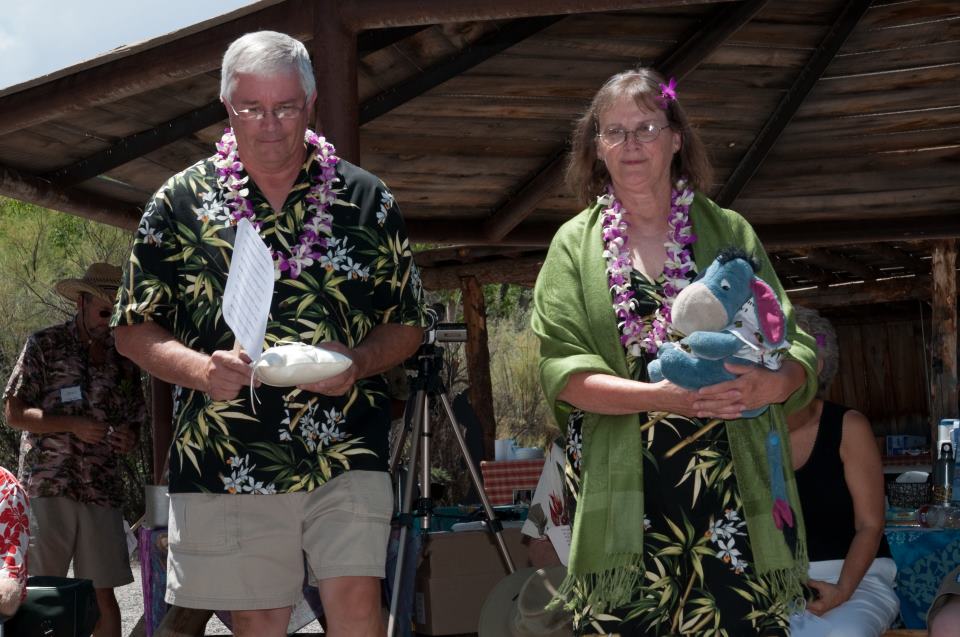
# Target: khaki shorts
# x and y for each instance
(246, 552)
(92, 536)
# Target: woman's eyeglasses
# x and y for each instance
(644, 133)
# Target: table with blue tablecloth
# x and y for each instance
(923, 557)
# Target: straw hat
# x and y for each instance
(516, 606)
(101, 280)
(949, 587)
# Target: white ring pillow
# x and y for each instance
(289, 364)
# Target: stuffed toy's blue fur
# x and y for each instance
(729, 315)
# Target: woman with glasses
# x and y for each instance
(686, 544)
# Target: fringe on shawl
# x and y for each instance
(599, 593)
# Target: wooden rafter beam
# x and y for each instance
(518, 207)
(89, 206)
(774, 236)
(381, 14)
(137, 145)
(837, 262)
(483, 49)
(801, 270)
(883, 291)
(370, 41)
(518, 271)
(708, 37)
(194, 51)
(147, 68)
(679, 63)
(790, 103)
(891, 255)
(837, 233)
(471, 254)
(142, 143)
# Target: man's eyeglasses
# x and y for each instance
(644, 133)
(256, 113)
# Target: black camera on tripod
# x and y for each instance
(438, 332)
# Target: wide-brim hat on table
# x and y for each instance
(949, 587)
(516, 607)
(100, 280)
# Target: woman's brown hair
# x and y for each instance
(587, 176)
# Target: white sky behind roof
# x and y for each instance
(38, 37)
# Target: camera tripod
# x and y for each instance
(426, 385)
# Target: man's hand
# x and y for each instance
(343, 382)
(89, 430)
(121, 439)
(829, 596)
(225, 374)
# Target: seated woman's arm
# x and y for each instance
(863, 472)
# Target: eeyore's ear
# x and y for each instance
(769, 313)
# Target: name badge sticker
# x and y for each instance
(70, 394)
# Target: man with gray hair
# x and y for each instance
(253, 492)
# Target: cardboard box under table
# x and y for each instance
(458, 571)
(510, 481)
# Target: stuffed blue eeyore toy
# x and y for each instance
(729, 315)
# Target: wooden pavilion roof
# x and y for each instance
(833, 125)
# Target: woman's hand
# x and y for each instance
(686, 402)
(754, 386)
(828, 596)
(607, 394)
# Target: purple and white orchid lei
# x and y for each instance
(636, 334)
(319, 222)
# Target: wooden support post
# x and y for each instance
(334, 53)
(943, 341)
(161, 411)
(478, 361)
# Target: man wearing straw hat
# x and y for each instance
(79, 405)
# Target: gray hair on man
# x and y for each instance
(265, 53)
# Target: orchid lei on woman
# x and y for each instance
(637, 335)
(318, 226)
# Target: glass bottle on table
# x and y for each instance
(943, 476)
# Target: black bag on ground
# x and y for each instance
(55, 607)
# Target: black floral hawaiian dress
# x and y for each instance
(700, 577)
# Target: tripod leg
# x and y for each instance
(493, 525)
(406, 509)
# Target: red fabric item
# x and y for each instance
(501, 479)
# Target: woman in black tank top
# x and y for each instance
(840, 482)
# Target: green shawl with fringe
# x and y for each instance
(574, 319)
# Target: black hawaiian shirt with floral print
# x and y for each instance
(293, 440)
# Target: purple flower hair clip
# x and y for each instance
(668, 93)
